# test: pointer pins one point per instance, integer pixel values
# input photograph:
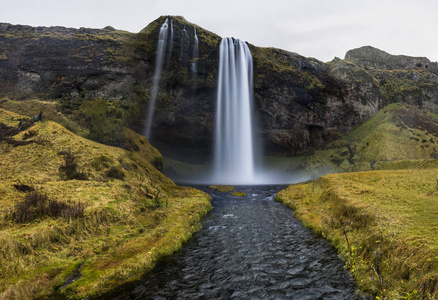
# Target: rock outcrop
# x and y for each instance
(300, 102)
(368, 57)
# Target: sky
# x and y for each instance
(323, 29)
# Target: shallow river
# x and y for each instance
(249, 248)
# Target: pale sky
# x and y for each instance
(314, 28)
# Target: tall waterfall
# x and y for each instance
(161, 49)
(234, 141)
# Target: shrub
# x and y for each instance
(37, 205)
(29, 134)
(115, 173)
(104, 120)
(23, 188)
(69, 169)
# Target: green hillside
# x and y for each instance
(383, 223)
(383, 220)
(79, 218)
(397, 137)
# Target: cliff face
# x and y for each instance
(303, 102)
(59, 62)
(299, 102)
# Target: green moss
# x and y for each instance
(398, 135)
(104, 120)
(238, 194)
(223, 188)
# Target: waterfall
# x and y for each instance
(234, 149)
(170, 48)
(161, 49)
(195, 54)
(184, 46)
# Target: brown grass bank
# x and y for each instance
(383, 223)
(106, 217)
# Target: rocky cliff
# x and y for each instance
(300, 102)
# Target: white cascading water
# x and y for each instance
(170, 48)
(184, 45)
(195, 53)
(234, 149)
(161, 49)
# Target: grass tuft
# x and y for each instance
(222, 188)
(36, 205)
(29, 134)
(69, 169)
(115, 173)
(24, 188)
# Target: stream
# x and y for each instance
(249, 248)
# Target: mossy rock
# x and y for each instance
(239, 194)
(223, 188)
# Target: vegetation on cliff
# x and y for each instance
(79, 218)
(300, 102)
(397, 137)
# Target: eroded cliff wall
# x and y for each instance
(300, 102)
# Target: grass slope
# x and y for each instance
(397, 137)
(133, 214)
(384, 223)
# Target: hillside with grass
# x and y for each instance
(399, 136)
(79, 218)
(382, 220)
(383, 223)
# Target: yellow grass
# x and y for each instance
(128, 224)
(384, 223)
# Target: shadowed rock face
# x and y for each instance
(299, 102)
(55, 62)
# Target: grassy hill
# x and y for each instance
(398, 137)
(382, 220)
(383, 223)
(398, 133)
(79, 218)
